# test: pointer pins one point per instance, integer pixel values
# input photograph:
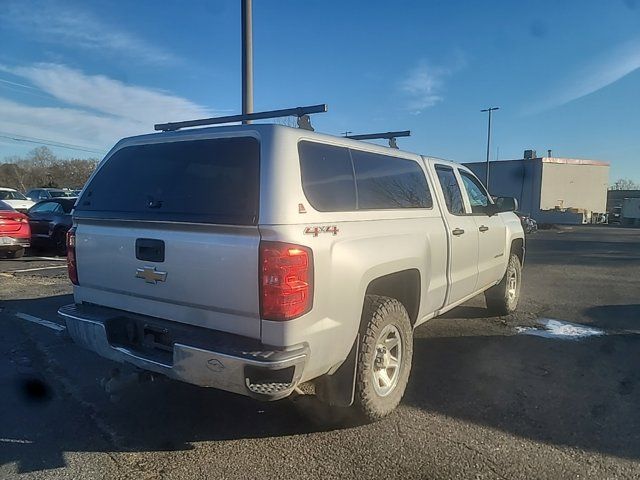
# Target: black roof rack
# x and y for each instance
(300, 112)
(391, 136)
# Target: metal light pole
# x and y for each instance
(490, 109)
(247, 59)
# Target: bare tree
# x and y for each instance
(41, 168)
(12, 173)
(624, 184)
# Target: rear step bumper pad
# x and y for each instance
(266, 374)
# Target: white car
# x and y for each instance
(15, 199)
(253, 258)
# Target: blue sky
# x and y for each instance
(565, 74)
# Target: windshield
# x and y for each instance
(11, 195)
(60, 193)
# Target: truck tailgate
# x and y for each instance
(208, 276)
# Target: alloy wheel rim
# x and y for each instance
(387, 360)
(512, 286)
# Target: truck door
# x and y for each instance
(491, 232)
(463, 236)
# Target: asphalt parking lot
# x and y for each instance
(488, 397)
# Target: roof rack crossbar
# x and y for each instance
(299, 112)
(391, 136)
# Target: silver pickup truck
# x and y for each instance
(254, 258)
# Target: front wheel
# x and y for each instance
(384, 359)
(502, 299)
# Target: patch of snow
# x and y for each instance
(550, 328)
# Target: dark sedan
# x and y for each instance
(50, 220)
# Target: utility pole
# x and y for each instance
(247, 59)
(490, 109)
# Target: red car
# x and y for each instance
(14, 232)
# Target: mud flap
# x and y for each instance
(338, 389)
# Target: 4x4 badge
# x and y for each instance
(315, 231)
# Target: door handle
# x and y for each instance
(458, 231)
(150, 250)
(483, 228)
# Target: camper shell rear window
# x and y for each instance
(200, 181)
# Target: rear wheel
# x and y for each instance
(15, 253)
(384, 360)
(60, 242)
(502, 299)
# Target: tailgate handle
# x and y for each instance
(150, 250)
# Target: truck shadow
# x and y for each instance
(582, 252)
(581, 394)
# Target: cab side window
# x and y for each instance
(476, 193)
(451, 190)
(385, 182)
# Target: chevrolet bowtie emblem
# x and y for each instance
(151, 275)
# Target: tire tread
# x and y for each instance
(376, 310)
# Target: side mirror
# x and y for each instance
(491, 209)
(506, 204)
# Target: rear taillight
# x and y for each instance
(18, 218)
(286, 280)
(71, 256)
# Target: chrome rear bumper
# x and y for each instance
(194, 355)
(7, 242)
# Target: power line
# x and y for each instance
(14, 87)
(17, 84)
(51, 143)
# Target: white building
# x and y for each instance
(550, 189)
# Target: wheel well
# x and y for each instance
(404, 286)
(517, 247)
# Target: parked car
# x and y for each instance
(616, 215)
(253, 258)
(38, 194)
(14, 231)
(50, 220)
(15, 199)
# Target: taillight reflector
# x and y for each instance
(286, 280)
(72, 266)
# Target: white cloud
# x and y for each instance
(67, 125)
(97, 110)
(424, 84)
(60, 24)
(106, 95)
(600, 72)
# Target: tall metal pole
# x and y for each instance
(247, 59)
(490, 109)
